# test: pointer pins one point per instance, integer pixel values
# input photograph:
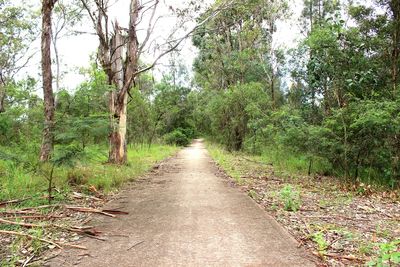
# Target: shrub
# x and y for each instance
(190, 132)
(322, 244)
(77, 177)
(176, 137)
(290, 198)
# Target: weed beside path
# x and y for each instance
(345, 225)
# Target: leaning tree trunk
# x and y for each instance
(48, 130)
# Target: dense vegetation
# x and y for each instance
(284, 122)
(329, 106)
(81, 130)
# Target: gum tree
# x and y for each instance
(119, 54)
(49, 109)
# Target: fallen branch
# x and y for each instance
(116, 212)
(27, 225)
(90, 210)
(30, 237)
(75, 246)
(28, 260)
(36, 217)
(41, 207)
(90, 232)
(81, 230)
(337, 256)
(17, 212)
(58, 245)
(15, 201)
(80, 196)
(134, 245)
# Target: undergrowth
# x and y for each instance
(291, 162)
(328, 208)
(18, 181)
(224, 160)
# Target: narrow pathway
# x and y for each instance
(185, 215)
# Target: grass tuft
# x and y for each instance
(17, 182)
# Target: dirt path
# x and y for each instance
(185, 215)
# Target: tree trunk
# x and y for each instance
(48, 130)
(2, 93)
(123, 77)
(58, 72)
(117, 138)
(2, 98)
(310, 166)
(273, 88)
(395, 7)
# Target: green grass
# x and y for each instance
(18, 182)
(107, 177)
(224, 159)
(290, 162)
(284, 162)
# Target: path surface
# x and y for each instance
(186, 215)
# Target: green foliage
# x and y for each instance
(322, 244)
(158, 109)
(16, 34)
(339, 117)
(388, 255)
(66, 156)
(107, 177)
(290, 198)
(235, 114)
(16, 181)
(177, 137)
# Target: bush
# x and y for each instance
(5, 129)
(176, 137)
(290, 198)
(77, 176)
(190, 132)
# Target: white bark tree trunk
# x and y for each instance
(118, 116)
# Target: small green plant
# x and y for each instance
(321, 242)
(384, 233)
(290, 198)
(64, 157)
(366, 248)
(253, 194)
(37, 245)
(388, 254)
(274, 207)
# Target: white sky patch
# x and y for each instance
(288, 31)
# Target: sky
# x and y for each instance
(75, 51)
